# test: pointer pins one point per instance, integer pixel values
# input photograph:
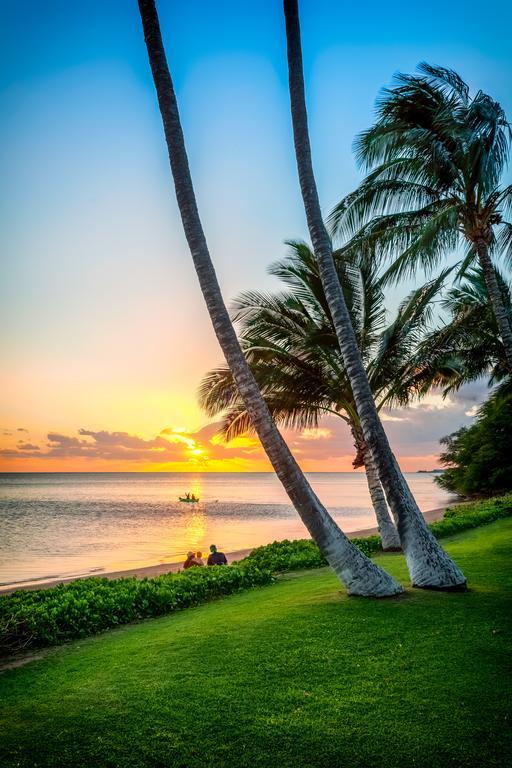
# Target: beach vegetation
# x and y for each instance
(290, 343)
(46, 617)
(43, 617)
(296, 674)
(478, 458)
(434, 158)
(467, 346)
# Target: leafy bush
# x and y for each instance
(466, 516)
(478, 458)
(87, 606)
(303, 553)
(294, 555)
(84, 607)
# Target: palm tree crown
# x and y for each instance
(435, 158)
(467, 346)
(290, 342)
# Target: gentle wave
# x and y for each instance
(66, 525)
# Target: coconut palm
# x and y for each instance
(359, 573)
(428, 564)
(290, 343)
(466, 347)
(435, 158)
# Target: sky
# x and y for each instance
(104, 336)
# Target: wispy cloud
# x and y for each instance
(414, 434)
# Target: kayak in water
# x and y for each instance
(189, 498)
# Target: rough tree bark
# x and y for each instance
(387, 529)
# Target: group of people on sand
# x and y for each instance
(214, 558)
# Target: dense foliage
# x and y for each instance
(467, 516)
(87, 606)
(84, 607)
(479, 458)
(296, 676)
(303, 553)
(289, 555)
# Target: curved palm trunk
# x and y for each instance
(493, 289)
(387, 529)
(360, 575)
(388, 532)
(429, 565)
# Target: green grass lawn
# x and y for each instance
(293, 674)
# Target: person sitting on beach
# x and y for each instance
(191, 561)
(216, 558)
(199, 558)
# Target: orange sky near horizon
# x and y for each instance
(171, 450)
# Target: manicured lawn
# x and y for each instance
(293, 674)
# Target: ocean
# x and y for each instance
(60, 525)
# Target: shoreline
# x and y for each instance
(150, 571)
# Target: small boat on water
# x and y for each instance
(189, 498)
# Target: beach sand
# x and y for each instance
(147, 572)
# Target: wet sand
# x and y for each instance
(148, 572)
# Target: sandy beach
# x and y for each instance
(150, 571)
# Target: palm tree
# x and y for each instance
(468, 346)
(435, 158)
(290, 343)
(360, 575)
(429, 565)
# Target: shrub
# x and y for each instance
(294, 555)
(466, 516)
(478, 458)
(304, 553)
(87, 606)
(84, 607)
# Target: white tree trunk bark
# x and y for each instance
(429, 565)
(360, 575)
(387, 529)
(388, 532)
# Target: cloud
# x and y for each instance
(167, 447)
(316, 433)
(22, 429)
(413, 432)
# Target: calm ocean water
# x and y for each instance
(55, 525)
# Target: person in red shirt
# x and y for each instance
(191, 561)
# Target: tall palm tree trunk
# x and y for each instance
(387, 529)
(360, 575)
(429, 566)
(500, 311)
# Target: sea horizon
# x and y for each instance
(70, 524)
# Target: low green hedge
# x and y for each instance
(463, 517)
(294, 555)
(84, 607)
(30, 619)
(303, 553)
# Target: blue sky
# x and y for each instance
(106, 328)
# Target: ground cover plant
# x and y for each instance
(295, 674)
(38, 618)
(303, 553)
(87, 606)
